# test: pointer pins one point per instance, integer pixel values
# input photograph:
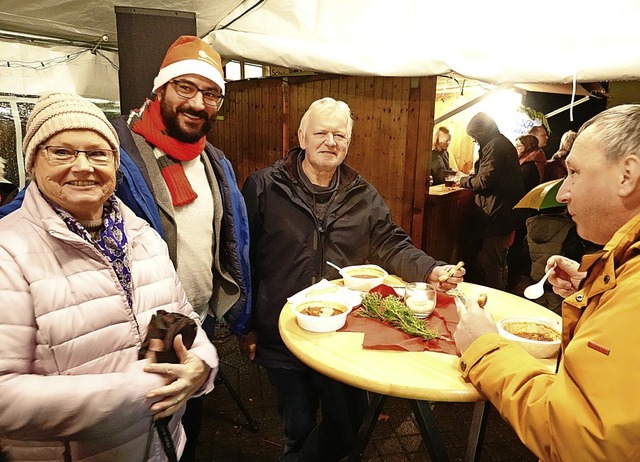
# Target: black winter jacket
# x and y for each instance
(290, 247)
(497, 183)
(439, 166)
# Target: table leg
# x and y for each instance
(366, 428)
(476, 432)
(430, 434)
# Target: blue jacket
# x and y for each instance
(135, 188)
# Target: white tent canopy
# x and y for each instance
(494, 41)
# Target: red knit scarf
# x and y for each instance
(147, 122)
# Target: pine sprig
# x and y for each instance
(393, 311)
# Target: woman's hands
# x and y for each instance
(183, 380)
(566, 277)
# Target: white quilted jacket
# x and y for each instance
(69, 374)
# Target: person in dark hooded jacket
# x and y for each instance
(305, 210)
(497, 185)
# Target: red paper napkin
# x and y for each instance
(381, 336)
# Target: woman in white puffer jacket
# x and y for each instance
(80, 278)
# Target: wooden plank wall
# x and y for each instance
(249, 126)
(391, 141)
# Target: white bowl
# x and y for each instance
(363, 277)
(537, 348)
(323, 323)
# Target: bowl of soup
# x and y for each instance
(539, 336)
(321, 315)
(363, 277)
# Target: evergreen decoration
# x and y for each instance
(535, 116)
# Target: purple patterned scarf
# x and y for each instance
(112, 242)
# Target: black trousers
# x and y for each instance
(192, 417)
(301, 394)
(492, 261)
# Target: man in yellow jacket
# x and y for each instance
(587, 411)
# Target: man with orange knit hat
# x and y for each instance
(187, 190)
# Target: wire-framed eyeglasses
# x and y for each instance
(187, 90)
(61, 155)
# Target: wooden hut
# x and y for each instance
(393, 124)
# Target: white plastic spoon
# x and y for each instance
(536, 290)
(334, 265)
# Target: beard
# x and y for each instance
(174, 129)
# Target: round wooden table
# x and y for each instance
(415, 375)
(418, 376)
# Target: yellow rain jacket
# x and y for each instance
(589, 410)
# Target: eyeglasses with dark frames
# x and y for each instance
(62, 155)
(187, 90)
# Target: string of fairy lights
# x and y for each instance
(51, 62)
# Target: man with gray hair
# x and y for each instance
(303, 210)
(583, 411)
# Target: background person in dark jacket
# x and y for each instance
(532, 161)
(497, 185)
(304, 210)
(532, 166)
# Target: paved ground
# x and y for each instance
(225, 436)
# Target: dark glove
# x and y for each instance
(166, 326)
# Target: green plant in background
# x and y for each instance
(535, 116)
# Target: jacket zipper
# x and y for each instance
(85, 245)
(284, 181)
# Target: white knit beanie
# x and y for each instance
(57, 112)
(190, 55)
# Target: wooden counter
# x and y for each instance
(446, 224)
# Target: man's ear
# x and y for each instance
(301, 140)
(160, 92)
(630, 183)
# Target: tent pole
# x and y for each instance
(564, 108)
